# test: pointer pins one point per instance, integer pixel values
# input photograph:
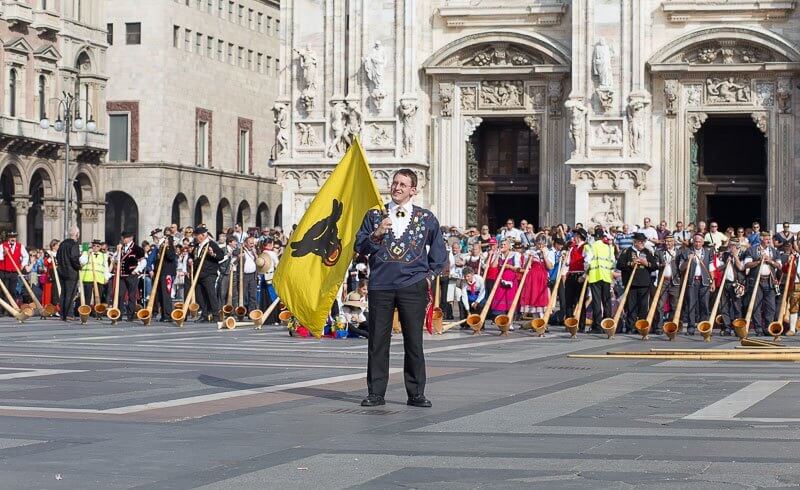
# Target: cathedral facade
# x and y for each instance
(592, 111)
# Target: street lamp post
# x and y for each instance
(69, 108)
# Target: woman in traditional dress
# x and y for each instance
(535, 294)
(47, 280)
(509, 280)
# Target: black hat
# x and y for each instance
(127, 233)
(156, 231)
(200, 229)
(11, 234)
(598, 232)
(581, 232)
(96, 242)
(639, 237)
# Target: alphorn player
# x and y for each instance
(794, 286)
(205, 292)
(763, 259)
(133, 264)
(668, 262)
(576, 274)
(733, 290)
(12, 252)
(638, 302)
(406, 250)
(700, 283)
(93, 271)
(169, 270)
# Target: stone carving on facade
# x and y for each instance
(307, 60)
(498, 54)
(555, 92)
(608, 134)
(89, 214)
(610, 178)
(374, 64)
(408, 109)
(760, 118)
(446, 98)
(609, 208)
(534, 123)
(765, 94)
(726, 53)
(472, 183)
(339, 141)
(671, 91)
(577, 122)
(52, 212)
(281, 119)
(784, 95)
(637, 121)
(727, 90)
(469, 98)
(470, 125)
(695, 120)
(501, 94)
(308, 135)
(693, 94)
(21, 206)
(602, 68)
(355, 120)
(537, 99)
(379, 136)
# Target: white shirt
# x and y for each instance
(668, 256)
(274, 259)
(399, 224)
(514, 233)
(249, 261)
(24, 258)
(651, 234)
(698, 255)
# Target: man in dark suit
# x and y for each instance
(169, 269)
(638, 300)
(205, 291)
(406, 250)
(763, 260)
(68, 260)
(668, 262)
(133, 265)
(700, 284)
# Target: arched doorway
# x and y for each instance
(36, 212)
(122, 214)
(202, 211)
(224, 213)
(180, 210)
(243, 215)
(278, 216)
(10, 182)
(262, 215)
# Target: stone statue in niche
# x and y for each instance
(354, 120)
(340, 140)
(608, 134)
(671, 88)
(554, 93)
(602, 68)
(636, 123)
(446, 97)
(307, 60)
(374, 64)
(784, 95)
(577, 120)
(281, 120)
(727, 90)
(408, 109)
(308, 135)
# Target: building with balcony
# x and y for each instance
(48, 47)
(189, 102)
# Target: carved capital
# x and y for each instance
(52, 212)
(695, 120)
(470, 125)
(671, 93)
(22, 204)
(760, 118)
(89, 214)
(535, 123)
(446, 98)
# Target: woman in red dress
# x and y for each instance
(50, 290)
(535, 294)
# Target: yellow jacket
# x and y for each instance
(100, 262)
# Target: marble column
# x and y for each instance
(22, 204)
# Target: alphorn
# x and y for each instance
(776, 328)
(741, 326)
(504, 322)
(448, 326)
(609, 325)
(475, 321)
(113, 313)
(438, 314)
(27, 286)
(539, 325)
(259, 316)
(227, 308)
(706, 328)
(84, 310)
(572, 323)
(99, 308)
(146, 314)
(644, 326)
(672, 328)
(179, 316)
(22, 313)
(241, 310)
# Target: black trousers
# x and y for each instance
(669, 292)
(163, 301)
(411, 302)
(764, 311)
(130, 285)
(447, 308)
(206, 295)
(10, 281)
(730, 307)
(572, 289)
(601, 302)
(70, 286)
(250, 289)
(696, 305)
(636, 305)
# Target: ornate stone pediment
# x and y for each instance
(496, 55)
(726, 10)
(463, 13)
(727, 52)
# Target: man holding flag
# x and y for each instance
(406, 249)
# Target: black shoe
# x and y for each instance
(419, 401)
(689, 331)
(373, 401)
(165, 319)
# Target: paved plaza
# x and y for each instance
(128, 406)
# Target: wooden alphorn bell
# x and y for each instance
(438, 314)
(609, 325)
(672, 328)
(644, 326)
(706, 328)
(573, 323)
(179, 316)
(241, 310)
(99, 308)
(114, 313)
(741, 326)
(84, 310)
(146, 314)
(27, 286)
(539, 325)
(504, 322)
(20, 313)
(227, 308)
(776, 328)
(475, 321)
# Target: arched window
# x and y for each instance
(82, 90)
(12, 93)
(42, 97)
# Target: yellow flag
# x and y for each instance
(316, 259)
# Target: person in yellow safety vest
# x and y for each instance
(94, 266)
(600, 266)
